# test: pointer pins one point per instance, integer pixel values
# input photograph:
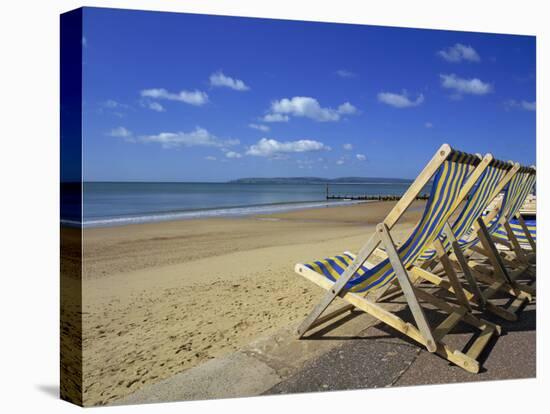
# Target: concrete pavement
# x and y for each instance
(354, 352)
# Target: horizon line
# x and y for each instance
(233, 179)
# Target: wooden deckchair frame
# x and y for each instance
(528, 235)
(455, 259)
(491, 251)
(422, 333)
(504, 282)
(501, 277)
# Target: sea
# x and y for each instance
(120, 203)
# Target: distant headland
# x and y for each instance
(319, 180)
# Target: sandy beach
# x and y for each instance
(161, 298)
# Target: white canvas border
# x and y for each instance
(30, 171)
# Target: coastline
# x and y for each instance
(161, 298)
(214, 212)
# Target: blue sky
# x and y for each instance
(179, 97)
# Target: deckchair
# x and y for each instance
(352, 278)
(449, 246)
(490, 228)
(498, 226)
(490, 183)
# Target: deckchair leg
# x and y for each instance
(494, 257)
(476, 249)
(483, 252)
(515, 243)
(504, 287)
(527, 232)
(521, 256)
(338, 286)
(406, 287)
(457, 250)
(479, 298)
(490, 307)
(437, 281)
(451, 275)
(499, 268)
(448, 308)
(509, 313)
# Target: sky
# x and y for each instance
(182, 97)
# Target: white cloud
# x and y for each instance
(458, 53)
(113, 107)
(303, 106)
(155, 106)
(340, 162)
(273, 148)
(399, 100)
(361, 157)
(347, 109)
(529, 106)
(472, 86)
(526, 105)
(195, 97)
(219, 79)
(343, 73)
(347, 147)
(210, 158)
(232, 154)
(112, 104)
(307, 107)
(428, 125)
(199, 137)
(259, 127)
(275, 118)
(120, 132)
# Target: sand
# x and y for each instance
(161, 298)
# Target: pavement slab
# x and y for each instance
(361, 363)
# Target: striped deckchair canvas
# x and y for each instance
(454, 173)
(531, 223)
(493, 179)
(525, 231)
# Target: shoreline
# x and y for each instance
(205, 213)
(161, 298)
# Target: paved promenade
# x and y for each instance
(353, 353)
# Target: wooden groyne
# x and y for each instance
(369, 197)
(378, 197)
